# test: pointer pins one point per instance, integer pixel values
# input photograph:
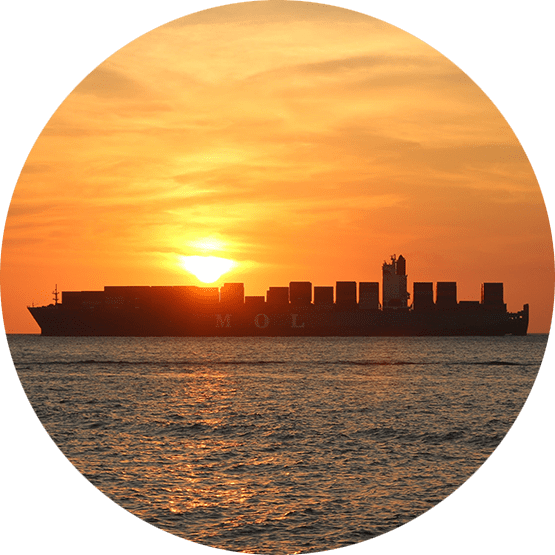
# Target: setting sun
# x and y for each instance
(207, 269)
(289, 140)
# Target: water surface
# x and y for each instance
(277, 445)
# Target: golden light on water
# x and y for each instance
(207, 269)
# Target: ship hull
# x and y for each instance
(297, 321)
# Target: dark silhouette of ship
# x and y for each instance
(297, 310)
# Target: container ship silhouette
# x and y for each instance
(297, 310)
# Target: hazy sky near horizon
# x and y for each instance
(303, 141)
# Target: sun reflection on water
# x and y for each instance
(299, 457)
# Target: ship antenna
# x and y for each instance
(55, 293)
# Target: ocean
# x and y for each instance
(277, 445)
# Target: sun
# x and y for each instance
(207, 269)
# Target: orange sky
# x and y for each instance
(310, 142)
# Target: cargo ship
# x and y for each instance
(348, 309)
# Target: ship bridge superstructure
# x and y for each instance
(394, 288)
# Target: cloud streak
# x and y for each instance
(307, 137)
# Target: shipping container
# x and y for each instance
(446, 294)
(300, 293)
(232, 294)
(323, 295)
(369, 295)
(254, 302)
(82, 299)
(346, 293)
(422, 295)
(492, 294)
(277, 296)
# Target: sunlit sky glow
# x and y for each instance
(300, 141)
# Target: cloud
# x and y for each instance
(108, 82)
(298, 133)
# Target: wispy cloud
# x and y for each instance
(302, 135)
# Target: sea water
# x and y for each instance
(277, 445)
